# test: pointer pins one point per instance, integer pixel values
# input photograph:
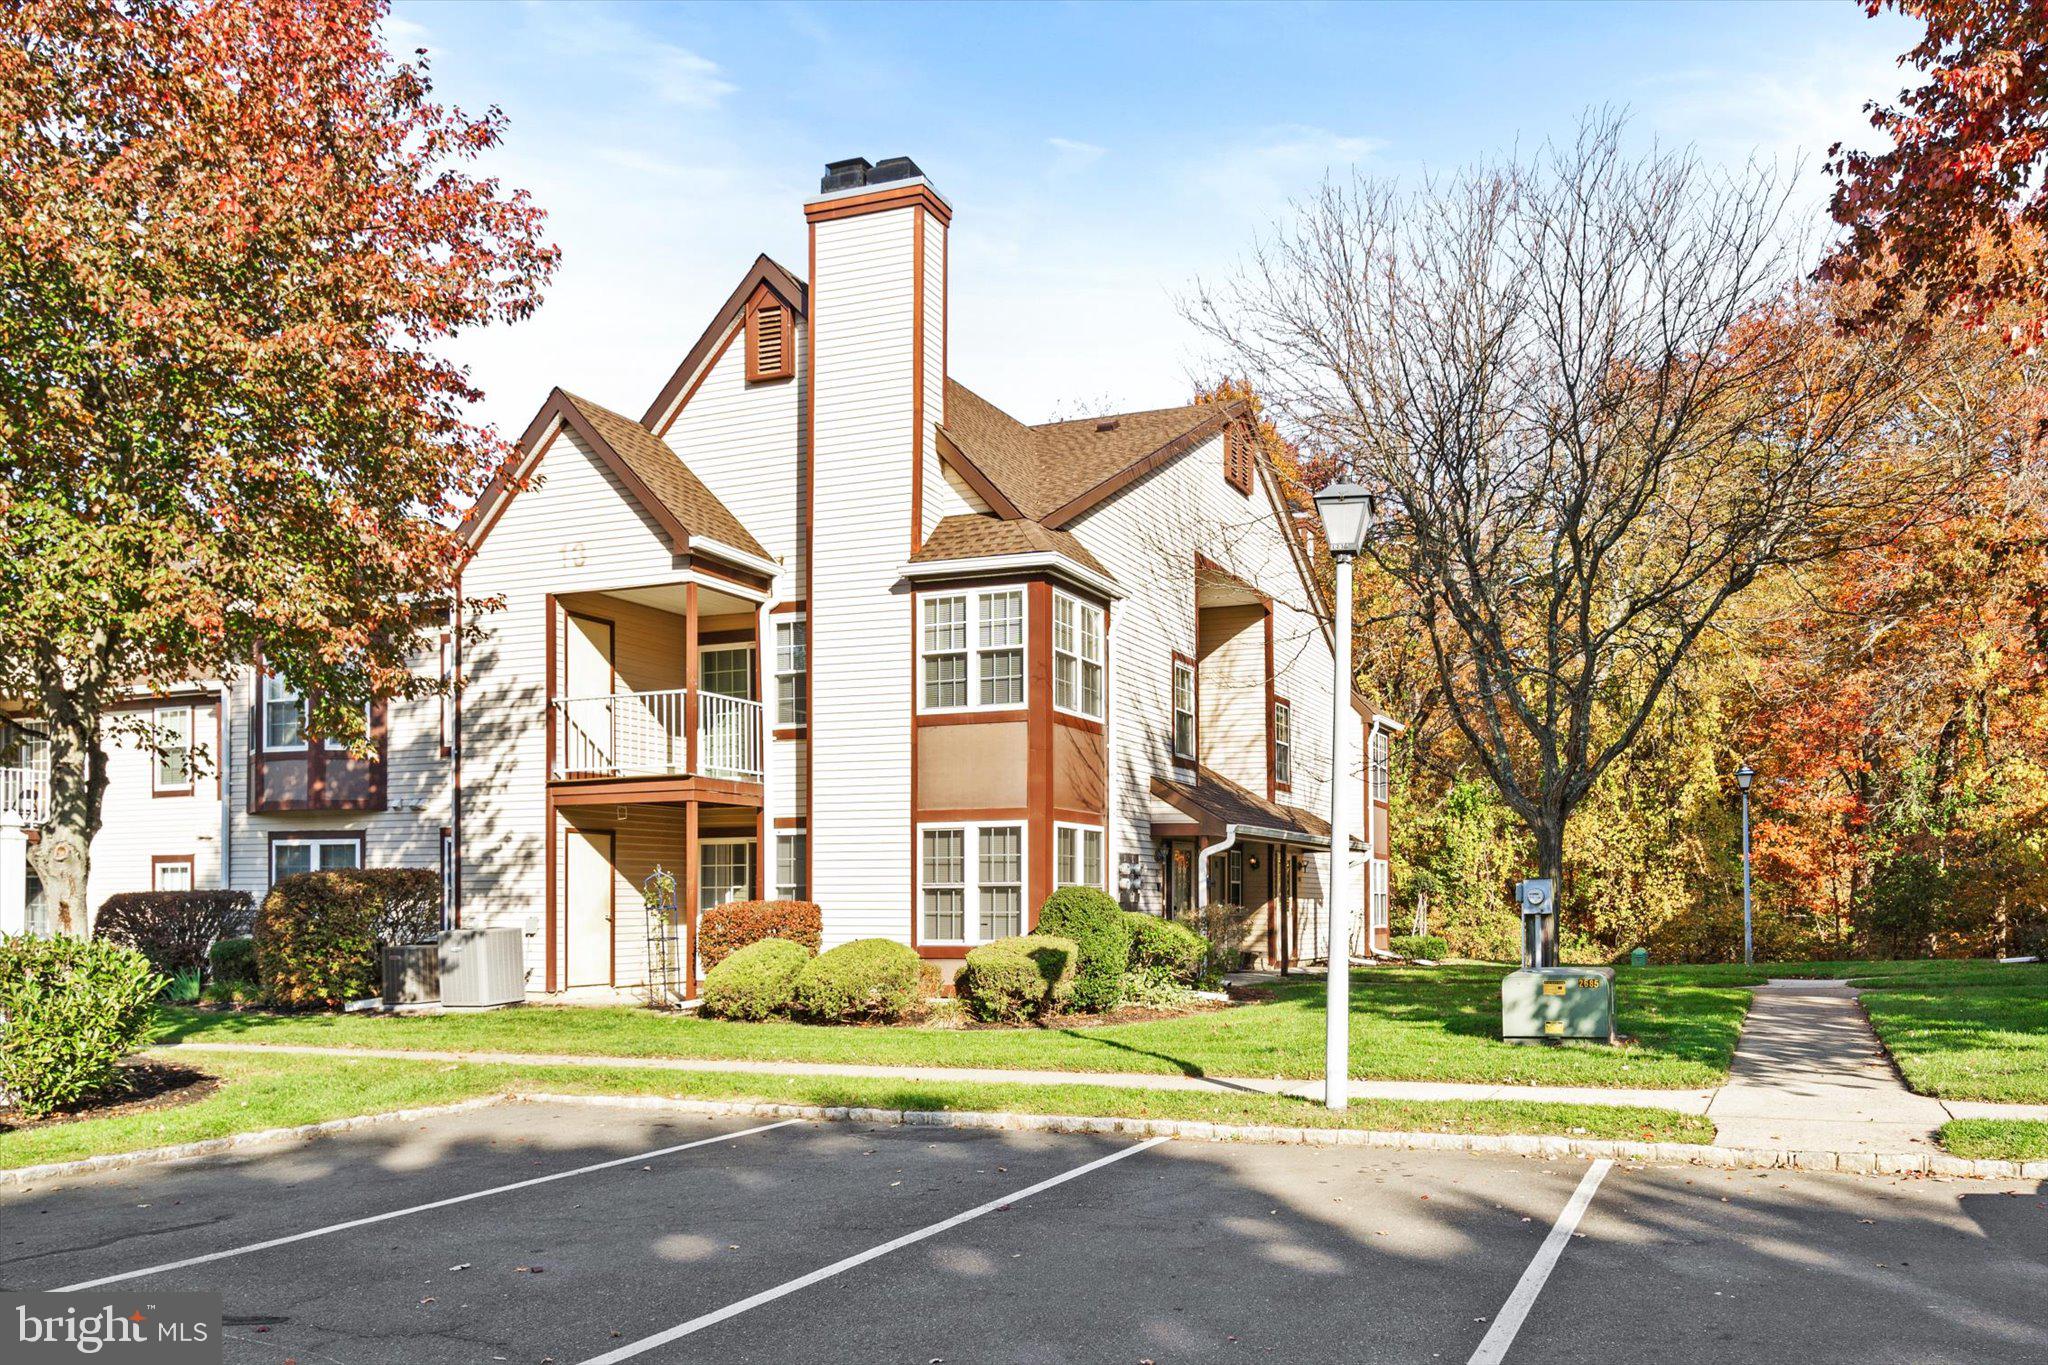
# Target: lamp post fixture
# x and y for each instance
(1347, 516)
(1745, 775)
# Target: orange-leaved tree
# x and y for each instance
(233, 238)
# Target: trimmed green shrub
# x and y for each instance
(755, 982)
(70, 1010)
(725, 929)
(1429, 946)
(318, 933)
(1175, 948)
(993, 989)
(869, 978)
(234, 962)
(1102, 933)
(173, 929)
(1157, 988)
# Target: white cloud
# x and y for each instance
(1070, 155)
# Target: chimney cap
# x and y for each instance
(894, 168)
(849, 174)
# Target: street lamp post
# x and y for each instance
(1745, 775)
(1347, 516)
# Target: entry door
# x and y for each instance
(589, 727)
(589, 900)
(724, 728)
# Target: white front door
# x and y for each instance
(589, 902)
(589, 731)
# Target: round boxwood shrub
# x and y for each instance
(70, 1010)
(726, 929)
(173, 929)
(318, 933)
(1428, 946)
(869, 978)
(994, 989)
(755, 982)
(1172, 948)
(1099, 928)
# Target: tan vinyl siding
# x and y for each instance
(1231, 698)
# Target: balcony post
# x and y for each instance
(690, 678)
(13, 874)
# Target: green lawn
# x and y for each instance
(281, 1090)
(1430, 1024)
(1965, 1037)
(1996, 1139)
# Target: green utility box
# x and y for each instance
(1550, 1004)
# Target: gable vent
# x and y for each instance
(771, 352)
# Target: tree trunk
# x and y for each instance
(1550, 861)
(62, 858)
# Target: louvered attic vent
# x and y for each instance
(1237, 458)
(771, 350)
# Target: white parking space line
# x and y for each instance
(698, 1324)
(1501, 1335)
(333, 1228)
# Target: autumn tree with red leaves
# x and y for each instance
(233, 240)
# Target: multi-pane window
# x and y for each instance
(1226, 878)
(172, 771)
(1379, 892)
(725, 871)
(944, 885)
(1183, 709)
(971, 649)
(447, 694)
(171, 874)
(791, 881)
(970, 883)
(726, 670)
(1077, 855)
(1076, 656)
(792, 668)
(1379, 766)
(284, 714)
(288, 856)
(1283, 743)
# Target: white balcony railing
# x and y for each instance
(644, 734)
(25, 792)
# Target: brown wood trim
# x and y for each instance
(693, 871)
(442, 710)
(945, 952)
(789, 822)
(1060, 516)
(764, 271)
(1038, 748)
(973, 813)
(158, 860)
(796, 608)
(945, 314)
(728, 635)
(790, 731)
(917, 379)
(764, 300)
(710, 367)
(1067, 815)
(1207, 566)
(1083, 723)
(810, 565)
(1272, 773)
(1010, 714)
(668, 790)
(551, 901)
(963, 464)
(692, 672)
(549, 669)
(878, 201)
(1176, 831)
(176, 697)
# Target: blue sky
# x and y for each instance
(1099, 158)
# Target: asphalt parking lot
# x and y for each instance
(631, 1235)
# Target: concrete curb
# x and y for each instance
(1528, 1145)
(1676, 1153)
(113, 1161)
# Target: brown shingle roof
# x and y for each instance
(972, 536)
(1049, 472)
(1214, 801)
(681, 493)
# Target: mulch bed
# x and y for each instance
(141, 1088)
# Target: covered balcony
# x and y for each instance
(24, 771)
(654, 682)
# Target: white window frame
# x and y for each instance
(975, 918)
(1382, 762)
(973, 599)
(158, 751)
(1079, 610)
(1283, 742)
(1377, 895)
(747, 869)
(188, 866)
(275, 691)
(727, 647)
(316, 843)
(1193, 713)
(793, 684)
(798, 889)
(1069, 850)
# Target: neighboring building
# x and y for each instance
(824, 623)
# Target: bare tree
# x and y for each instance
(1598, 403)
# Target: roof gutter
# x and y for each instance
(733, 555)
(990, 564)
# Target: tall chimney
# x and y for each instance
(878, 379)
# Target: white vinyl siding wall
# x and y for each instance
(136, 824)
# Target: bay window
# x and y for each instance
(970, 882)
(971, 650)
(1077, 855)
(284, 714)
(1077, 653)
